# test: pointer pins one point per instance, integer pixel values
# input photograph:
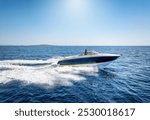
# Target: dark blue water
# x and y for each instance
(30, 74)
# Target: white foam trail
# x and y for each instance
(44, 72)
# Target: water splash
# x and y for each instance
(43, 72)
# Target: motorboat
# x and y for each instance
(88, 57)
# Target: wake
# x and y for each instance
(44, 72)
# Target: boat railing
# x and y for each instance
(89, 53)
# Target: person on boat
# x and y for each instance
(85, 52)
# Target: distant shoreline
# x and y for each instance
(83, 45)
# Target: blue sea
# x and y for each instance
(31, 74)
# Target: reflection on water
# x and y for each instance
(108, 74)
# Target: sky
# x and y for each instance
(75, 22)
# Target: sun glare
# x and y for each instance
(76, 6)
(76, 3)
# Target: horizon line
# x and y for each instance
(64, 45)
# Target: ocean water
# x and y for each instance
(31, 74)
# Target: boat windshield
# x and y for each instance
(89, 53)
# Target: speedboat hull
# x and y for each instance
(88, 59)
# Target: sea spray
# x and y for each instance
(43, 72)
